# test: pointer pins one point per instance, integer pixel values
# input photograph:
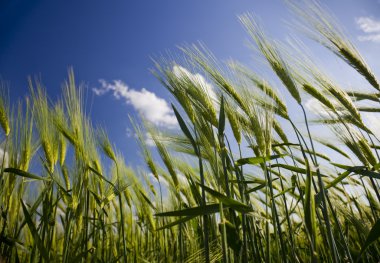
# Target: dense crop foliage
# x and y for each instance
(240, 181)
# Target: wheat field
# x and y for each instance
(243, 180)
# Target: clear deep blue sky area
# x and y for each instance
(115, 40)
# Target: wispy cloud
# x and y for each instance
(147, 137)
(153, 108)
(371, 28)
(129, 132)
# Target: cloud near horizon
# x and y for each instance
(151, 107)
(371, 28)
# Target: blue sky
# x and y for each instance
(114, 40)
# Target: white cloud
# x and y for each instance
(149, 140)
(154, 109)
(373, 37)
(316, 107)
(373, 122)
(368, 24)
(371, 27)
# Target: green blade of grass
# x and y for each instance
(227, 201)
(34, 232)
(290, 168)
(295, 169)
(101, 176)
(284, 192)
(258, 160)
(147, 200)
(373, 235)
(25, 174)
(342, 176)
(194, 211)
(254, 189)
(222, 118)
(184, 128)
(177, 222)
(368, 173)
